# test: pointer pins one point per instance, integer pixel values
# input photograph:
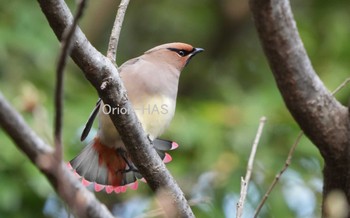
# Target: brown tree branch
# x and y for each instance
(304, 93)
(322, 118)
(82, 202)
(103, 75)
(117, 26)
(64, 52)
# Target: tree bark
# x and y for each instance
(82, 202)
(104, 76)
(323, 119)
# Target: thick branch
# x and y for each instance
(105, 78)
(323, 119)
(82, 202)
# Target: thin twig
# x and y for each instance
(245, 181)
(290, 155)
(117, 26)
(341, 86)
(278, 176)
(64, 52)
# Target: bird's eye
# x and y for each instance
(182, 53)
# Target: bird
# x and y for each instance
(151, 81)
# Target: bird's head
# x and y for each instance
(176, 54)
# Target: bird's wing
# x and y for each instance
(90, 121)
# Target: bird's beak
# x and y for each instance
(196, 50)
(193, 53)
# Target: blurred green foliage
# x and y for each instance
(223, 93)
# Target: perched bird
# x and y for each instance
(151, 81)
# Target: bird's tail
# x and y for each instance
(111, 169)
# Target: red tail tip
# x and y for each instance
(109, 189)
(133, 185)
(117, 189)
(85, 182)
(174, 145)
(98, 187)
(167, 158)
(123, 188)
(69, 166)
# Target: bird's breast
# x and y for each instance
(155, 114)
